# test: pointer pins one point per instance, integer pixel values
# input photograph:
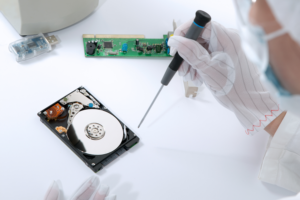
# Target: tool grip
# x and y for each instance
(172, 69)
(201, 19)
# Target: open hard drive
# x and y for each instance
(88, 128)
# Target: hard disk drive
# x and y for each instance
(88, 128)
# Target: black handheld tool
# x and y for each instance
(201, 19)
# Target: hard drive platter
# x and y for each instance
(98, 131)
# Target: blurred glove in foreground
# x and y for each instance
(89, 190)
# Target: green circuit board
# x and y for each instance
(113, 46)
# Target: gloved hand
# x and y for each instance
(89, 190)
(217, 59)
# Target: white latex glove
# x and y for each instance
(221, 64)
(89, 190)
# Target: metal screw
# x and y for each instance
(63, 135)
(39, 113)
(93, 164)
(45, 113)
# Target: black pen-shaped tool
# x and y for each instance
(201, 19)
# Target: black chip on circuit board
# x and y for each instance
(108, 45)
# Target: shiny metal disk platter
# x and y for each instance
(95, 132)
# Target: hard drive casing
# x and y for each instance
(94, 162)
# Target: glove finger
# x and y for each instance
(101, 193)
(173, 51)
(111, 197)
(190, 74)
(87, 189)
(190, 50)
(184, 69)
(53, 192)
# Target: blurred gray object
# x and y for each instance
(30, 17)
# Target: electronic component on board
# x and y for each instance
(32, 46)
(95, 135)
(158, 48)
(141, 49)
(90, 47)
(124, 47)
(149, 48)
(108, 45)
(113, 53)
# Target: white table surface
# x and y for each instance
(188, 149)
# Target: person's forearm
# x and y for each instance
(273, 126)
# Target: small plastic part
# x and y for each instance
(91, 105)
(124, 47)
(190, 89)
(32, 46)
(54, 112)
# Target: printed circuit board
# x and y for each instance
(125, 46)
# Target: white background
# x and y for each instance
(188, 150)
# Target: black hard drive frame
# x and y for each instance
(94, 162)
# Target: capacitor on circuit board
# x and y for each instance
(124, 47)
(137, 42)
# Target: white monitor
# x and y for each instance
(30, 17)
